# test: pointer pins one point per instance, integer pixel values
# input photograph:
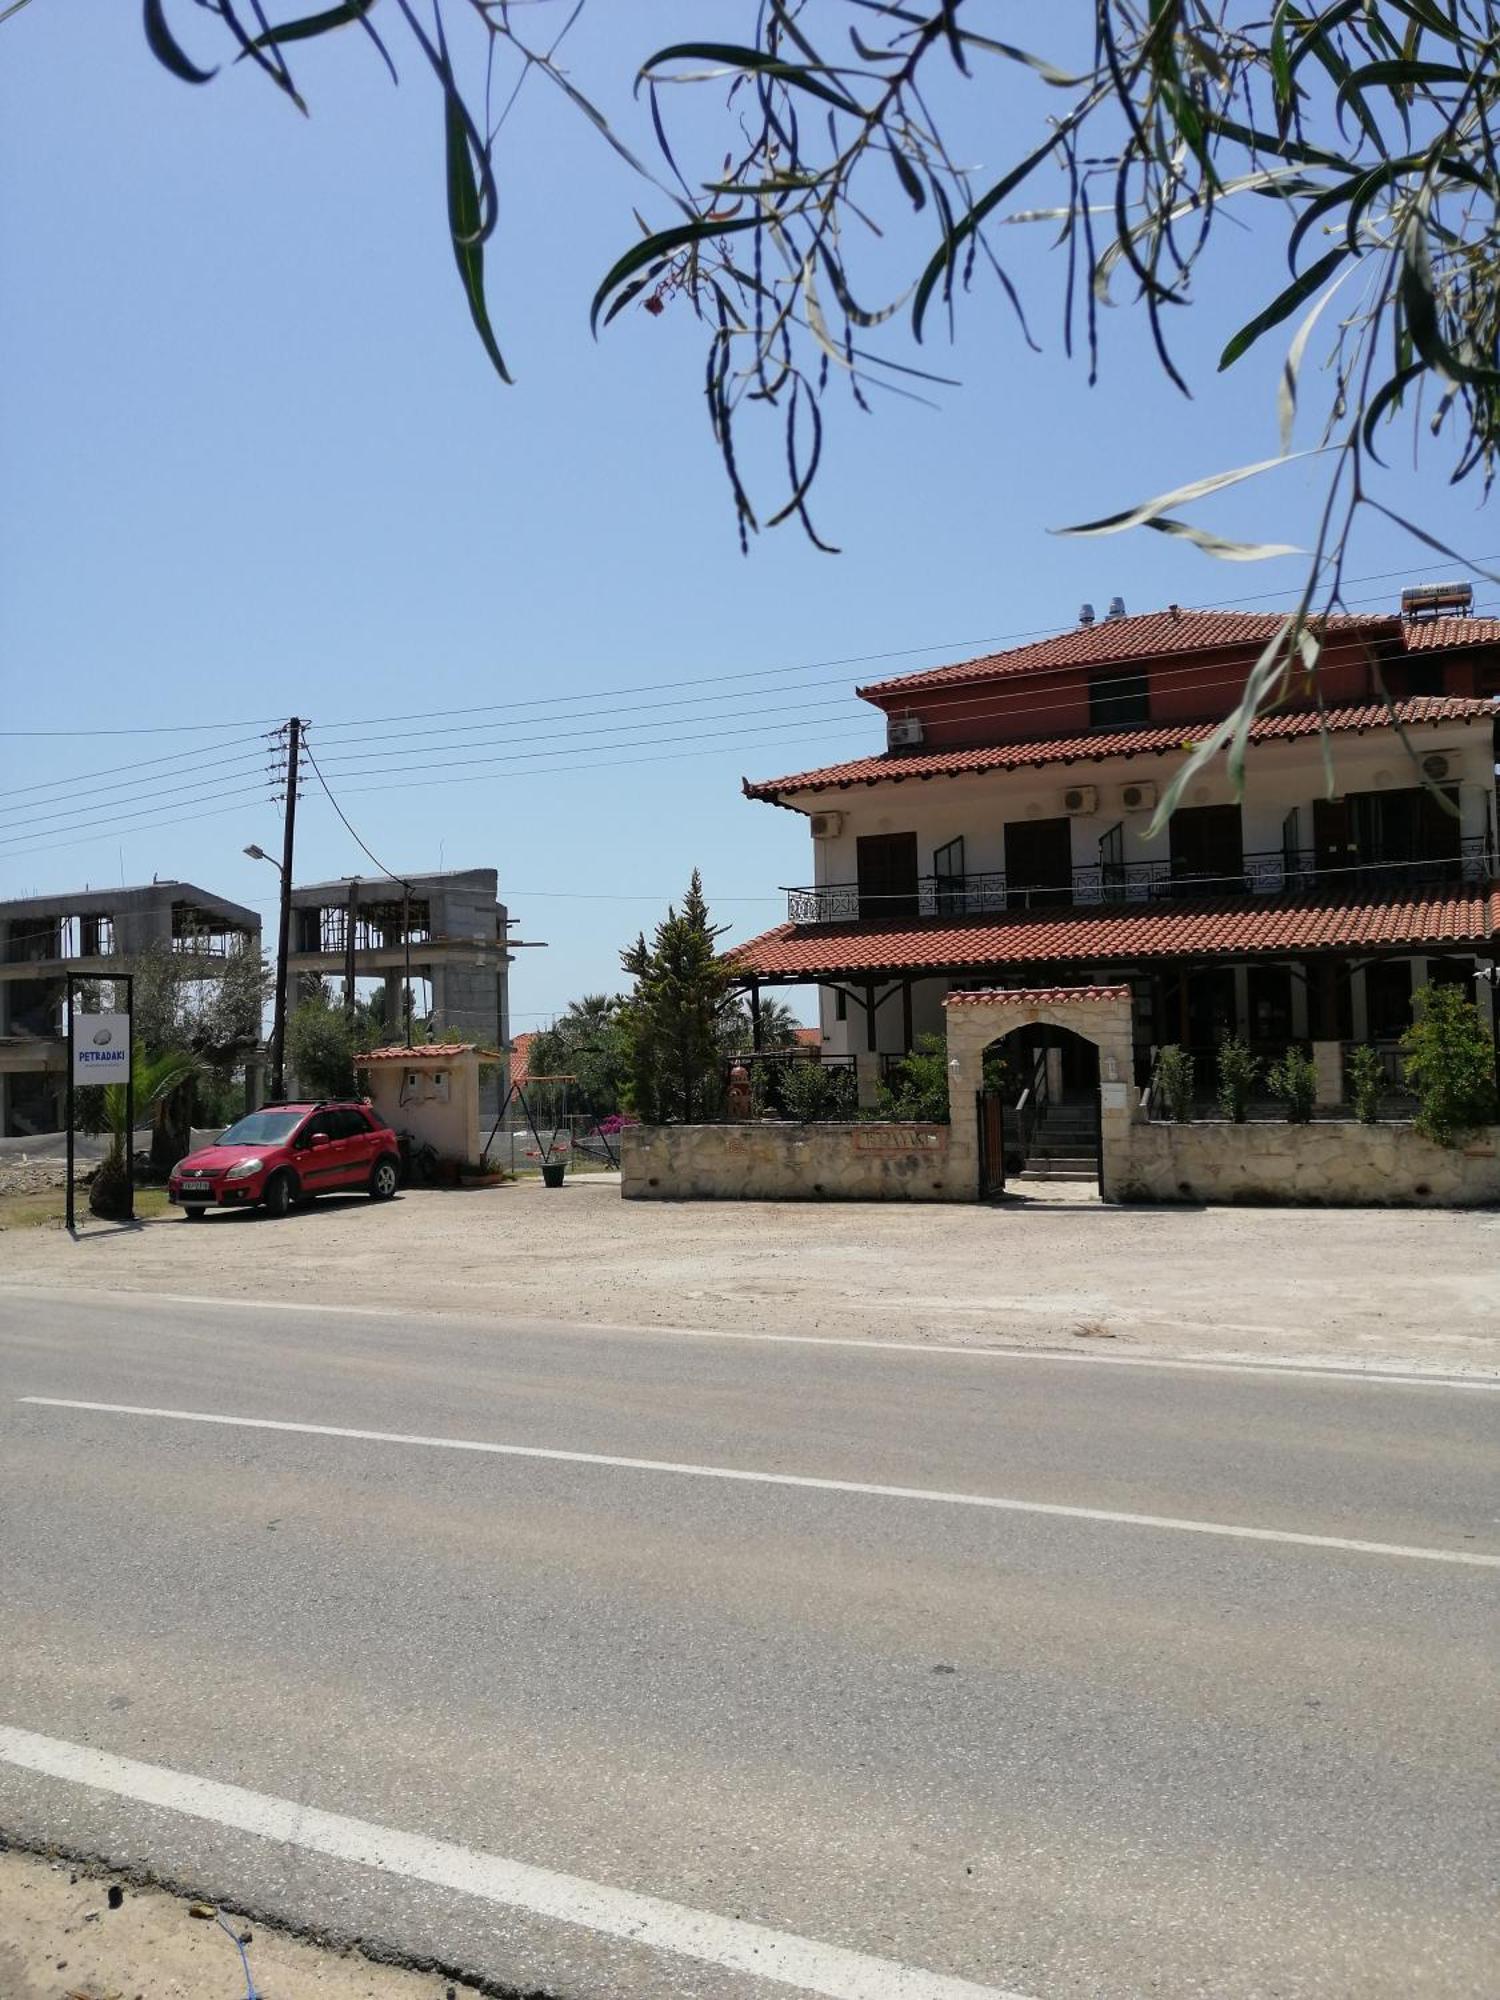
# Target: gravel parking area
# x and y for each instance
(1414, 1288)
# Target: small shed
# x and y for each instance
(430, 1092)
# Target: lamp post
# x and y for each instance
(283, 938)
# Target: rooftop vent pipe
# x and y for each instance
(1117, 607)
(1085, 614)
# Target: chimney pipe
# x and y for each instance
(1085, 614)
(1117, 607)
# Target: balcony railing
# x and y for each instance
(1282, 872)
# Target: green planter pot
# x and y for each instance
(552, 1173)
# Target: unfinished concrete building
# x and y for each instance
(91, 933)
(449, 930)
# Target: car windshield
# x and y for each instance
(263, 1128)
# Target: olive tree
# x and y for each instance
(833, 219)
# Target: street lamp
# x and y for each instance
(278, 1009)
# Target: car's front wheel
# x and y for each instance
(278, 1195)
(192, 1215)
(384, 1179)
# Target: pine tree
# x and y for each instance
(674, 1017)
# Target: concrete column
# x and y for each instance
(1358, 1011)
(1328, 1061)
(1242, 1001)
(867, 1079)
(1300, 1026)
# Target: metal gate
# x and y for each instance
(990, 1111)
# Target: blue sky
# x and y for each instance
(255, 463)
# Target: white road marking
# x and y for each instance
(729, 1942)
(805, 1481)
(1373, 1373)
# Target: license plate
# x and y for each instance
(194, 1187)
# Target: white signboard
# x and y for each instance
(101, 1048)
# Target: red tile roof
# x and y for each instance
(1111, 935)
(1162, 634)
(520, 1057)
(1033, 996)
(1160, 742)
(423, 1051)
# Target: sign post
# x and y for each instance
(99, 1052)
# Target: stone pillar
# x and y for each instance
(867, 1079)
(1328, 1061)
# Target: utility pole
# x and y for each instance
(284, 920)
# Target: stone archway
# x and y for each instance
(1100, 1014)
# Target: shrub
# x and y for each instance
(1295, 1081)
(1450, 1062)
(1238, 1070)
(918, 1087)
(1173, 1082)
(812, 1091)
(1365, 1078)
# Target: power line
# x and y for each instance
(155, 816)
(65, 845)
(84, 777)
(155, 729)
(184, 794)
(753, 673)
(342, 815)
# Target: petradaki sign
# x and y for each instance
(101, 1048)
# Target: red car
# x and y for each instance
(288, 1153)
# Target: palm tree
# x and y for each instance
(154, 1079)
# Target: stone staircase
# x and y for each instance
(1062, 1148)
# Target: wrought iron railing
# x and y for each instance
(1278, 872)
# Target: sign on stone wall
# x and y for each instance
(897, 1139)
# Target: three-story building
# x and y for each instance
(1002, 837)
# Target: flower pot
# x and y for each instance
(552, 1172)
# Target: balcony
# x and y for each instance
(1282, 872)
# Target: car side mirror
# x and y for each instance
(318, 1139)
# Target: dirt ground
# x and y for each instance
(60, 1940)
(1384, 1287)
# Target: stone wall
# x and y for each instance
(776, 1161)
(1333, 1162)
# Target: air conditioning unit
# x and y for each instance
(1437, 766)
(1081, 799)
(903, 732)
(826, 826)
(1138, 798)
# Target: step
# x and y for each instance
(1064, 1176)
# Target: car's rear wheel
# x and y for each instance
(279, 1194)
(385, 1178)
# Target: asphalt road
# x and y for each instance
(479, 1705)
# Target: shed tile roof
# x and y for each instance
(1163, 634)
(1034, 996)
(1111, 935)
(421, 1051)
(1159, 741)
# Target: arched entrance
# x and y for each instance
(1038, 1109)
(1041, 1028)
